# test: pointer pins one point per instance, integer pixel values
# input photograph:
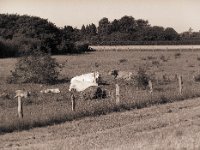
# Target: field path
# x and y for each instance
(170, 126)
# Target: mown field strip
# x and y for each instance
(147, 47)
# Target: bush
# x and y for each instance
(163, 58)
(81, 47)
(151, 58)
(156, 63)
(197, 78)
(35, 67)
(95, 93)
(123, 60)
(141, 79)
(177, 55)
(164, 100)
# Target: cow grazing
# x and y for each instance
(82, 82)
(121, 74)
(4, 95)
(55, 91)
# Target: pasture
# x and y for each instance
(47, 109)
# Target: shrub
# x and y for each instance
(81, 47)
(95, 93)
(141, 79)
(163, 58)
(96, 64)
(177, 55)
(156, 63)
(151, 57)
(197, 78)
(164, 100)
(123, 60)
(35, 67)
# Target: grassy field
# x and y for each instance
(47, 109)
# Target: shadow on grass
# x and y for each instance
(61, 81)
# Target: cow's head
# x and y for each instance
(114, 73)
(96, 76)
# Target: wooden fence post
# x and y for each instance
(117, 94)
(20, 107)
(180, 84)
(21, 94)
(150, 87)
(73, 102)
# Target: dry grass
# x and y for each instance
(42, 110)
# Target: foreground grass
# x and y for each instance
(56, 112)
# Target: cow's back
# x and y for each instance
(80, 83)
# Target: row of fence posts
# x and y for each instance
(117, 96)
(180, 85)
(117, 92)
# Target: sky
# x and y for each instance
(179, 14)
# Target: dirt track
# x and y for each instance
(171, 126)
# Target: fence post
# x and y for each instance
(117, 94)
(73, 102)
(150, 87)
(180, 83)
(20, 107)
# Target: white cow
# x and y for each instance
(82, 82)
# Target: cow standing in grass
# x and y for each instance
(121, 74)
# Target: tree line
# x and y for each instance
(129, 31)
(22, 34)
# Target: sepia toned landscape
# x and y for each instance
(42, 110)
(105, 75)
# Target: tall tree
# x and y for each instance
(104, 27)
(115, 25)
(155, 33)
(127, 24)
(83, 30)
(93, 29)
(170, 34)
(142, 24)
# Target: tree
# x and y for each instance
(77, 34)
(93, 29)
(104, 27)
(142, 24)
(68, 32)
(83, 30)
(170, 34)
(115, 25)
(127, 24)
(25, 30)
(155, 33)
